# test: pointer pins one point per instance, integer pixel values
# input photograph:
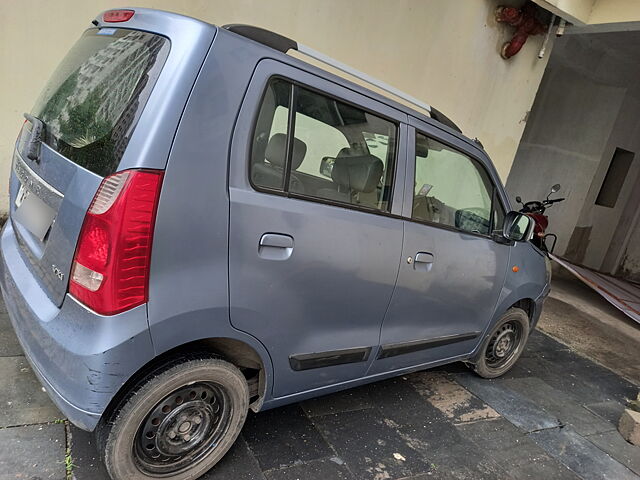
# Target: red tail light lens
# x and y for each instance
(110, 271)
(115, 16)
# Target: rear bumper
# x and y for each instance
(81, 358)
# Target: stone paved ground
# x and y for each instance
(552, 417)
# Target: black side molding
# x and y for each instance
(261, 35)
(307, 361)
(395, 349)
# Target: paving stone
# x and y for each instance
(284, 436)
(9, 345)
(369, 446)
(239, 463)
(325, 469)
(33, 452)
(517, 454)
(618, 448)
(22, 401)
(580, 455)
(610, 411)
(517, 408)
(86, 461)
(453, 400)
(345, 401)
(564, 407)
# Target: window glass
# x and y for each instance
(268, 152)
(451, 188)
(339, 153)
(92, 103)
(338, 163)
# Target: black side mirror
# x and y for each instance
(519, 199)
(517, 227)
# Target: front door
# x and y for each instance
(451, 272)
(313, 248)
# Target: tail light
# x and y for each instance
(115, 16)
(110, 270)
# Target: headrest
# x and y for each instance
(361, 173)
(277, 148)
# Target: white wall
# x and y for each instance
(444, 52)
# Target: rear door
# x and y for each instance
(452, 271)
(314, 245)
(86, 114)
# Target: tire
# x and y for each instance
(178, 423)
(503, 346)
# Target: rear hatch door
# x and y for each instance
(75, 135)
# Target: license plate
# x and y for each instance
(35, 215)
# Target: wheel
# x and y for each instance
(503, 345)
(178, 423)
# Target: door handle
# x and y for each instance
(422, 257)
(276, 240)
(423, 261)
(275, 246)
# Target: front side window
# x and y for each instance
(329, 152)
(451, 189)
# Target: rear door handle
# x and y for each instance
(275, 246)
(423, 261)
(276, 240)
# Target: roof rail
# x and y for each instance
(284, 44)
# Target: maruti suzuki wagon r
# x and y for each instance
(201, 224)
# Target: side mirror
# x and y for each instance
(326, 166)
(555, 188)
(517, 227)
(519, 199)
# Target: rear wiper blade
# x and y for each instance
(37, 131)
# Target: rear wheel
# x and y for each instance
(179, 423)
(504, 344)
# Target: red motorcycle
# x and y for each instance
(535, 209)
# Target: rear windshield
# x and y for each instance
(92, 102)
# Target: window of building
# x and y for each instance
(615, 177)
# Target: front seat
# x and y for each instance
(354, 175)
(270, 174)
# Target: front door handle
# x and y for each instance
(275, 246)
(423, 260)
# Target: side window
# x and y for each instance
(338, 153)
(268, 152)
(451, 188)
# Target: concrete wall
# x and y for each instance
(441, 51)
(588, 104)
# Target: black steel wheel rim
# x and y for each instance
(504, 344)
(182, 429)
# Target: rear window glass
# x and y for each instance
(92, 102)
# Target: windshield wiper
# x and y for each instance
(37, 131)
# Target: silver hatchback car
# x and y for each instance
(201, 224)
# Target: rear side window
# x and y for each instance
(322, 148)
(92, 102)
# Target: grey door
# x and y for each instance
(452, 272)
(314, 248)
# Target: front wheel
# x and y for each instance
(179, 423)
(503, 345)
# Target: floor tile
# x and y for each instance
(87, 464)
(22, 400)
(369, 446)
(346, 401)
(618, 448)
(33, 452)
(325, 469)
(9, 345)
(284, 436)
(238, 463)
(580, 455)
